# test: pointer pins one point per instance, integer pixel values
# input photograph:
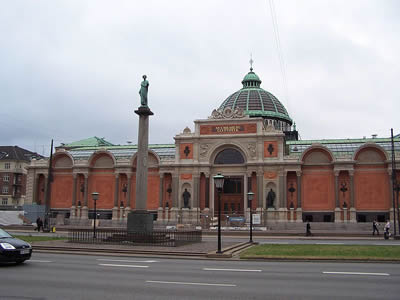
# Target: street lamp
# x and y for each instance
(95, 196)
(250, 196)
(219, 184)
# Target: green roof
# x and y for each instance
(89, 142)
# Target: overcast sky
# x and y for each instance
(70, 70)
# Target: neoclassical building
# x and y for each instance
(253, 142)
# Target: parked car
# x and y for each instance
(13, 249)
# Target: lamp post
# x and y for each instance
(95, 196)
(250, 196)
(219, 184)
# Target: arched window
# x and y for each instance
(229, 157)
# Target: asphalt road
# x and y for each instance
(60, 276)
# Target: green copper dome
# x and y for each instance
(257, 102)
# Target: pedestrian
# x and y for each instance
(375, 227)
(387, 230)
(38, 223)
(308, 229)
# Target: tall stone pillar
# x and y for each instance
(140, 220)
(353, 213)
(299, 212)
(207, 191)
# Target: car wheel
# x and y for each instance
(19, 261)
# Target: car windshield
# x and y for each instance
(4, 234)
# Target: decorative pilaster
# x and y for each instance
(196, 191)
(299, 211)
(260, 179)
(161, 190)
(175, 192)
(84, 211)
(128, 201)
(73, 206)
(353, 213)
(116, 194)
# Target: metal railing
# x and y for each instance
(166, 238)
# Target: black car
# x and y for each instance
(13, 249)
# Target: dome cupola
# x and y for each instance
(257, 102)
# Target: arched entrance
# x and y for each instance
(230, 162)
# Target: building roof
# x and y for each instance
(343, 147)
(255, 101)
(17, 153)
(89, 142)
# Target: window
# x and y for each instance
(233, 186)
(5, 189)
(6, 178)
(7, 166)
(229, 156)
(4, 201)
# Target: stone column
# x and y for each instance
(391, 192)
(128, 197)
(353, 214)
(207, 191)
(35, 188)
(84, 212)
(116, 194)
(175, 190)
(260, 189)
(161, 190)
(73, 206)
(141, 220)
(299, 212)
(196, 191)
(337, 204)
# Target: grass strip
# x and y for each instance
(366, 252)
(38, 238)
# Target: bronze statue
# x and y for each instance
(144, 88)
(186, 197)
(270, 198)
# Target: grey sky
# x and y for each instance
(72, 69)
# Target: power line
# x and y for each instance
(279, 50)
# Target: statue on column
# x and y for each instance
(271, 198)
(144, 88)
(186, 197)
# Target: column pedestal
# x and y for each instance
(282, 215)
(338, 218)
(299, 215)
(115, 213)
(345, 218)
(84, 213)
(291, 215)
(353, 215)
(72, 212)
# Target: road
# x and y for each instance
(61, 276)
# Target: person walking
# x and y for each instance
(375, 227)
(39, 224)
(387, 230)
(308, 229)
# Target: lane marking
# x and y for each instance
(123, 266)
(126, 260)
(357, 273)
(231, 270)
(329, 243)
(40, 261)
(274, 243)
(190, 283)
(384, 244)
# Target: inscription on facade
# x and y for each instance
(228, 129)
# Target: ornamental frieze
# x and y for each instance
(227, 113)
(228, 129)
